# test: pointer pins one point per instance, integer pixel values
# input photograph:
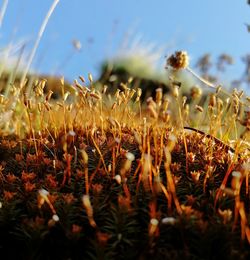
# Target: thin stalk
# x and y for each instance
(2, 11)
(211, 85)
(32, 131)
(183, 134)
(200, 78)
(38, 39)
(12, 76)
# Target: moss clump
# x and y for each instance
(96, 176)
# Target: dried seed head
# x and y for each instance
(178, 60)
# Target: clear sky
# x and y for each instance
(197, 26)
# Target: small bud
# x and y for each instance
(48, 96)
(43, 192)
(105, 87)
(139, 92)
(82, 79)
(130, 80)
(66, 95)
(176, 91)
(212, 101)
(159, 96)
(153, 226)
(118, 178)
(62, 81)
(55, 218)
(84, 157)
(130, 156)
(114, 106)
(90, 78)
(165, 104)
(94, 95)
(196, 92)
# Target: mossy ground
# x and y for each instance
(99, 176)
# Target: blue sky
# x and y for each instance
(214, 26)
